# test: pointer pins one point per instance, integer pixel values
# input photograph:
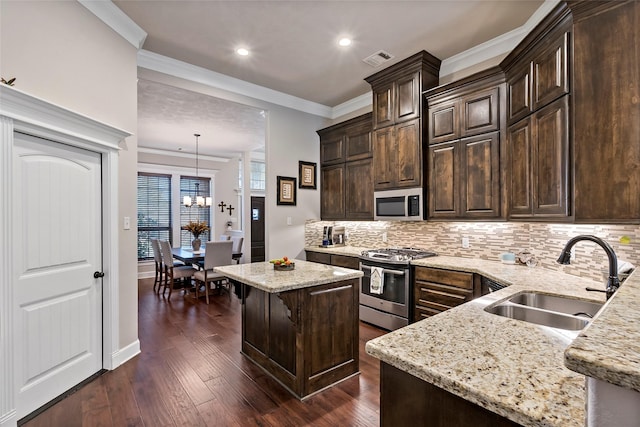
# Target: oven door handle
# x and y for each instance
(384, 270)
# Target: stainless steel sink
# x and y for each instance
(554, 311)
(574, 307)
(539, 317)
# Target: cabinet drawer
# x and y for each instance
(345, 261)
(440, 297)
(452, 278)
(322, 258)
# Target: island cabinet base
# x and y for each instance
(408, 400)
(307, 338)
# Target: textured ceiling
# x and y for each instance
(169, 116)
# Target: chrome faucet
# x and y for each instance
(612, 283)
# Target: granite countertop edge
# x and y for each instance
(261, 275)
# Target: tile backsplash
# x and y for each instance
(489, 239)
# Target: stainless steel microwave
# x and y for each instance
(398, 205)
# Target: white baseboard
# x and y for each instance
(9, 419)
(125, 353)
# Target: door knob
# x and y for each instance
(98, 274)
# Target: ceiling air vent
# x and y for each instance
(380, 57)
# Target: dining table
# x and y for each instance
(188, 255)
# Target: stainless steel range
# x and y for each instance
(385, 292)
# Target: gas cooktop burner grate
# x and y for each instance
(396, 254)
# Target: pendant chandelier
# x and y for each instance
(201, 201)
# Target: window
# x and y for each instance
(190, 186)
(154, 211)
(257, 176)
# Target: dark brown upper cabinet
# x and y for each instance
(538, 152)
(346, 177)
(540, 74)
(397, 120)
(606, 111)
(464, 158)
(538, 172)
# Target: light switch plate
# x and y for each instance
(289, 222)
(127, 223)
(465, 242)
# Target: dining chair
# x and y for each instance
(172, 271)
(216, 254)
(237, 248)
(157, 257)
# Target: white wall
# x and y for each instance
(59, 51)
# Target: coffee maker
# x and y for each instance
(338, 236)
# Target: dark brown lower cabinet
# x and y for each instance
(333, 259)
(437, 290)
(307, 339)
(406, 400)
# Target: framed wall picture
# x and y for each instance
(286, 191)
(307, 175)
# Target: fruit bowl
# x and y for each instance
(284, 267)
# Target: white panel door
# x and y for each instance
(58, 246)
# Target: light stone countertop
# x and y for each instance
(513, 368)
(261, 275)
(609, 348)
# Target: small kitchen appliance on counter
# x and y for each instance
(338, 237)
(385, 290)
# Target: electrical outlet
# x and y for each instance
(384, 237)
(465, 242)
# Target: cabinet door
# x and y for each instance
(332, 149)
(519, 93)
(409, 154)
(407, 98)
(519, 151)
(332, 192)
(551, 159)
(480, 112)
(359, 190)
(444, 122)
(443, 182)
(358, 143)
(383, 158)
(550, 75)
(480, 176)
(383, 108)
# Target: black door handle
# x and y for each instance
(98, 274)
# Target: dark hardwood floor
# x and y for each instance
(191, 373)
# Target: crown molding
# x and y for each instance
(182, 154)
(354, 104)
(173, 67)
(115, 18)
(500, 45)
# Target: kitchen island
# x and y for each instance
(300, 326)
(465, 359)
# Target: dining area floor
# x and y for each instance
(191, 373)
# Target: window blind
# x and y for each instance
(194, 213)
(154, 211)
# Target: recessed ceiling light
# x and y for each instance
(242, 51)
(344, 42)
